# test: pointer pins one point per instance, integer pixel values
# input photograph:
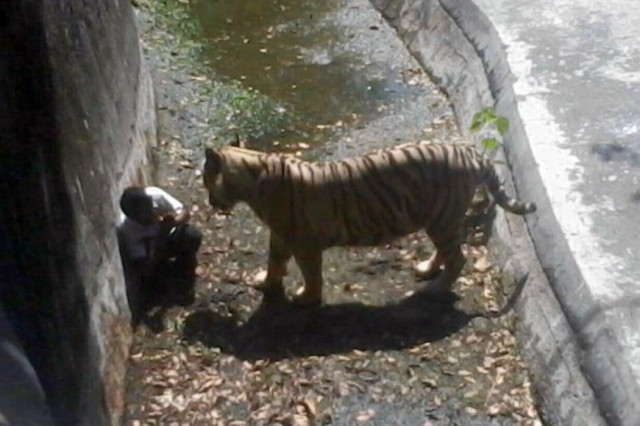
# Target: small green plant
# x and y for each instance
(489, 122)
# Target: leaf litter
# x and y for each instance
(219, 365)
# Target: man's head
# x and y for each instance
(137, 205)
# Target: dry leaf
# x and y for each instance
(482, 264)
(366, 415)
(260, 277)
(299, 420)
(431, 383)
(309, 407)
(482, 370)
(353, 287)
(437, 401)
(494, 409)
(471, 394)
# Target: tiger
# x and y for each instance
(367, 200)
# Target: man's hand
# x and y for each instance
(183, 216)
(168, 220)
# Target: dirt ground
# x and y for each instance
(378, 352)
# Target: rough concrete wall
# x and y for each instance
(77, 119)
(458, 46)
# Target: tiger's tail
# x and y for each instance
(497, 190)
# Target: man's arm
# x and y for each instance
(175, 212)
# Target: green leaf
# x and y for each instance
(476, 126)
(502, 125)
(490, 144)
(489, 114)
(491, 120)
(477, 122)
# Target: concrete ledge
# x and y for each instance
(458, 46)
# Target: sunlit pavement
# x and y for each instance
(577, 84)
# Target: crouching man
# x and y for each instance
(158, 248)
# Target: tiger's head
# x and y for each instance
(218, 178)
(213, 178)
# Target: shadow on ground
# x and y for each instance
(277, 331)
(172, 288)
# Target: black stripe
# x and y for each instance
(440, 198)
(288, 180)
(366, 221)
(325, 193)
(369, 195)
(247, 166)
(298, 184)
(460, 184)
(344, 196)
(427, 179)
(382, 190)
(335, 192)
(389, 220)
(434, 171)
(353, 221)
(414, 171)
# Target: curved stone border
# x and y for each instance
(458, 46)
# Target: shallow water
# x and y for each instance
(311, 58)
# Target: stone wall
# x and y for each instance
(77, 122)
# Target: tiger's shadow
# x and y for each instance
(278, 331)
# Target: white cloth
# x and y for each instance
(139, 240)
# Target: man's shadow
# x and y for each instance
(172, 286)
(279, 330)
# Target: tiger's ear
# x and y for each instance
(237, 142)
(213, 158)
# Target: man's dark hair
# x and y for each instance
(134, 200)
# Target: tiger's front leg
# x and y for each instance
(449, 254)
(279, 255)
(310, 262)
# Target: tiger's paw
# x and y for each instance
(427, 269)
(304, 299)
(272, 292)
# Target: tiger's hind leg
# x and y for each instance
(279, 255)
(449, 251)
(310, 262)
